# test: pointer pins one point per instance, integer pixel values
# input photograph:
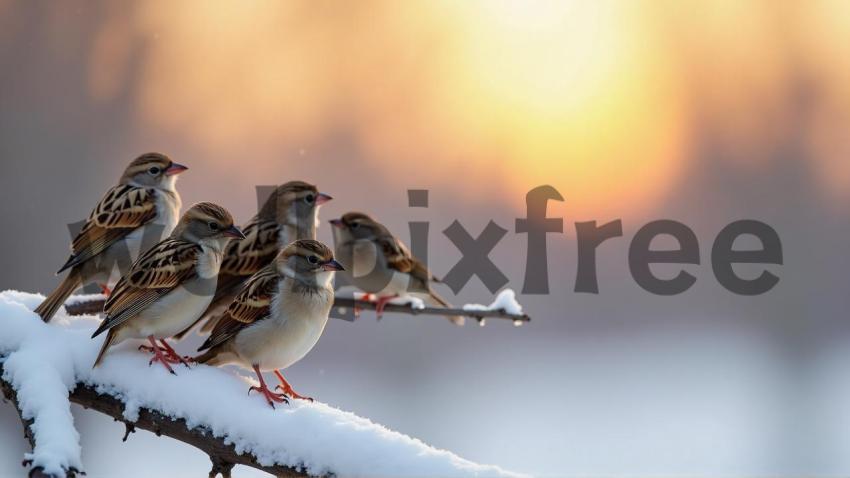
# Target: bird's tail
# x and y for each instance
(433, 299)
(51, 304)
(210, 324)
(226, 289)
(110, 337)
(208, 357)
(184, 332)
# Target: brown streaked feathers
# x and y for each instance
(159, 271)
(123, 209)
(251, 304)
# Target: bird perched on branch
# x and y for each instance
(144, 201)
(277, 317)
(290, 213)
(379, 263)
(170, 285)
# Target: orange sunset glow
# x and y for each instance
(682, 303)
(597, 98)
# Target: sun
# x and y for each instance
(580, 95)
(573, 94)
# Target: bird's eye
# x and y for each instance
(313, 259)
(355, 225)
(214, 226)
(153, 171)
(309, 199)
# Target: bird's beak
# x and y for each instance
(175, 169)
(337, 223)
(234, 232)
(322, 198)
(332, 265)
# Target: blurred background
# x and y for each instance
(702, 112)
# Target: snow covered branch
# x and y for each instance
(46, 367)
(10, 395)
(342, 304)
(345, 304)
(222, 455)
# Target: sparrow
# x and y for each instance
(379, 263)
(170, 285)
(145, 200)
(290, 213)
(277, 317)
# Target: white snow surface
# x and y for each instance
(506, 300)
(409, 300)
(413, 302)
(44, 362)
(78, 298)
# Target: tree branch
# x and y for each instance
(342, 304)
(349, 303)
(12, 396)
(222, 456)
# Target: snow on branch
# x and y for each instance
(505, 307)
(223, 455)
(45, 367)
(36, 471)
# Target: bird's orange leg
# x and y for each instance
(105, 290)
(159, 356)
(169, 357)
(365, 297)
(270, 396)
(286, 388)
(173, 355)
(149, 349)
(381, 303)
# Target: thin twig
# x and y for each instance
(222, 455)
(93, 307)
(349, 303)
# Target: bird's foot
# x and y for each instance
(270, 396)
(161, 357)
(366, 297)
(150, 350)
(179, 359)
(381, 303)
(289, 392)
(188, 360)
(174, 356)
(286, 388)
(166, 354)
(105, 290)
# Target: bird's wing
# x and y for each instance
(251, 304)
(121, 210)
(242, 258)
(245, 257)
(157, 272)
(399, 257)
